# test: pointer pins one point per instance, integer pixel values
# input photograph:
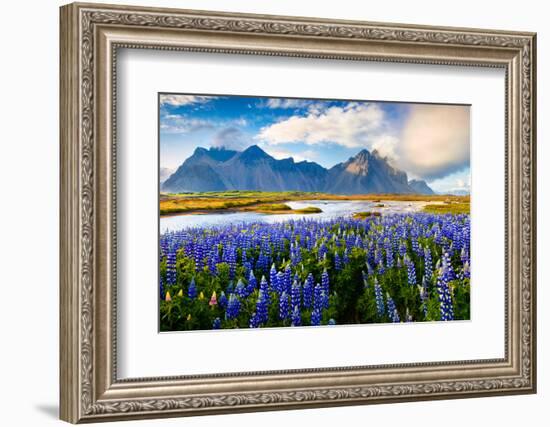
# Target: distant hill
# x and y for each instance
(420, 186)
(219, 169)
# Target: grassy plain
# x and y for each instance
(274, 202)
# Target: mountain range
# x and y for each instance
(220, 169)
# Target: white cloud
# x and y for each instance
(181, 124)
(435, 140)
(387, 145)
(308, 155)
(285, 103)
(351, 126)
(231, 138)
(179, 100)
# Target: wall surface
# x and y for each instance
(29, 170)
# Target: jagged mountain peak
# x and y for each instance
(219, 169)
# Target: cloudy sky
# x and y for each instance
(430, 142)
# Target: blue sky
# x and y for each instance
(429, 142)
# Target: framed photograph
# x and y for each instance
(266, 212)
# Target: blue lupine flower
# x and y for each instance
(252, 283)
(273, 278)
(444, 294)
(381, 269)
(337, 262)
(261, 307)
(171, 268)
(389, 252)
(295, 295)
(322, 251)
(217, 324)
(318, 297)
(389, 241)
(315, 317)
(287, 279)
(192, 291)
(284, 307)
(411, 271)
(427, 264)
(233, 307)
(280, 283)
(466, 270)
(392, 310)
(325, 284)
(296, 316)
(222, 300)
(423, 290)
(308, 291)
(254, 321)
(265, 289)
(346, 256)
(380, 308)
(402, 248)
(241, 290)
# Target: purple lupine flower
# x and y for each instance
(252, 283)
(444, 293)
(402, 248)
(427, 264)
(273, 278)
(466, 270)
(192, 291)
(325, 283)
(322, 251)
(295, 295)
(287, 279)
(423, 291)
(171, 268)
(217, 324)
(198, 257)
(392, 310)
(308, 291)
(240, 289)
(265, 289)
(233, 307)
(261, 307)
(280, 283)
(222, 300)
(161, 289)
(411, 271)
(381, 268)
(346, 257)
(337, 262)
(296, 316)
(380, 308)
(318, 297)
(284, 306)
(315, 317)
(389, 252)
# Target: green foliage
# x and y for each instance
(352, 299)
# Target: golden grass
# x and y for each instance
(448, 208)
(245, 200)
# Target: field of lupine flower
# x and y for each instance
(391, 268)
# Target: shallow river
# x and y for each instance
(330, 208)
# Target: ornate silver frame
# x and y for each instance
(90, 36)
